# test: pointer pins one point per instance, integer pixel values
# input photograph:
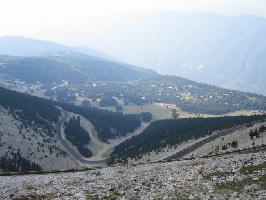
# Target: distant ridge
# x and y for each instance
(25, 46)
(227, 51)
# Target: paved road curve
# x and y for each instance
(70, 149)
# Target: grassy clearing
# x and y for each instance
(251, 169)
(158, 110)
(163, 110)
(244, 112)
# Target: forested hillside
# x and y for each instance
(66, 75)
(189, 95)
(29, 109)
(29, 131)
(24, 46)
(71, 67)
(77, 136)
(108, 124)
(16, 163)
(44, 112)
(161, 134)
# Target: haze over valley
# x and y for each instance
(207, 47)
(122, 100)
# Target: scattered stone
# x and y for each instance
(173, 180)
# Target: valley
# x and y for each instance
(86, 131)
(76, 123)
(208, 47)
(207, 99)
(35, 128)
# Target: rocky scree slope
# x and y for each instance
(239, 176)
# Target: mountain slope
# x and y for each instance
(72, 67)
(222, 50)
(241, 175)
(188, 95)
(165, 134)
(31, 131)
(23, 46)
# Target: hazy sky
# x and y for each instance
(72, 20)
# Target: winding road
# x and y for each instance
(178, 155)
(98, 160)
(69, 148)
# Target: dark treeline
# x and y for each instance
(74, 67)
(108, 101)
(108, 124)
(172, 132)
(78, 136)
(16, 163)
(146, 116)
(40, 69)
(29, 109)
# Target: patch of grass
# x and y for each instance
(244, 112)
(218, 174)
(29, 187)
(114, 194)
(89, 198)
(236, 186)
(182, 196)
(251, 169)
(159, 111)
(262, 182)
(157, 168)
